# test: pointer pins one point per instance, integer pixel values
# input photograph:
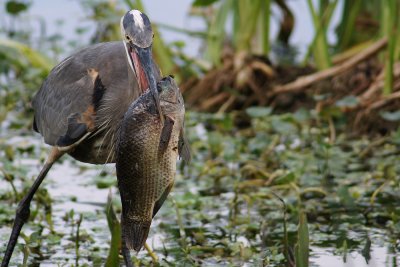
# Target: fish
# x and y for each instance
(147, 152)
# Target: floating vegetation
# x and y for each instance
(265, 194)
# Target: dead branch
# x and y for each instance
(375, 88)
(385, 100)
(217, 99)
(264, 68)
(306, 81)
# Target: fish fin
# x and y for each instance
(134, 234)
(75, 131)
(165, 135)
(34, 125)
(161, 200)
(184, 147)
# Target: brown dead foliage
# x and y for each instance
(246, 80)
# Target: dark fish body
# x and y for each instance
(146, 154)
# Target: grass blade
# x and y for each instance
(351, 9)
(216, 33)
(21, 55)
(248, 16)
(388, 24)
(326, 18)
(302, 246)
(265, 26)
(320, 47)
(115, 229)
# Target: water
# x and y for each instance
(380, 257)
(72, 186)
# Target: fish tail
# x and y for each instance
(135, 234)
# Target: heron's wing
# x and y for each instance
(75, 131)
(63, 106)
(89, 90)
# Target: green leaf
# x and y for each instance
(203, 2)
(285, 179)
(282, 126)
(331, 111)
(345, 29)
(348, 101)
(115, 229)
(21, 55)
(265, 26)
(345, 196)
(320, 44)
(258, 112)
(248, 18)
(388, 22)
(15, 7)
(216, 32)
(391, 116)
(302, 246)
(105, 182)
(302, 115)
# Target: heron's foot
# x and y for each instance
(127, 256)
(23, 210)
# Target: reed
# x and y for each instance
(388, 28)
(321, 21)
(302, 247)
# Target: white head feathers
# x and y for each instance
(137, 18)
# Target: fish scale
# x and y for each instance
(145, 172)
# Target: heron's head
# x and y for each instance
(138, 38)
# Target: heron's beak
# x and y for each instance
(142, 65)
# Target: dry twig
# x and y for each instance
(308, 80)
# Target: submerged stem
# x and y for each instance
(180, 224)
(151, 253)
(78, 226)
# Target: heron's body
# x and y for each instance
(88, 92)
(82, 105)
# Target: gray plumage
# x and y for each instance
(69, 92)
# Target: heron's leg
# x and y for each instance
(126, 253)
(23, 209)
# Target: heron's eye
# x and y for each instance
(128, 37)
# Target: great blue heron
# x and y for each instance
(80, 104)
